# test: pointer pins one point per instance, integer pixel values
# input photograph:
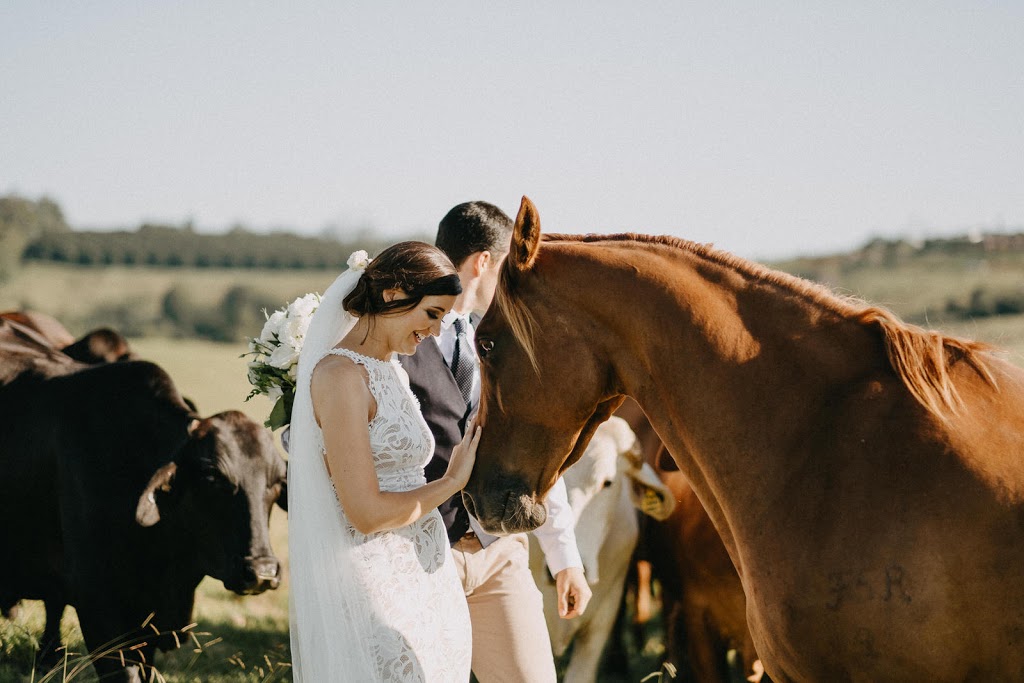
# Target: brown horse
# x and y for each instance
(702, 600)
(866, 476)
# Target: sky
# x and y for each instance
(781, 129)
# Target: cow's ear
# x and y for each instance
(147, 512)
(282, 499)
(649, 494)
(197, 427)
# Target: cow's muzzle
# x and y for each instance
(254, 575)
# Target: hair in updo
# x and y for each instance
(416, 268)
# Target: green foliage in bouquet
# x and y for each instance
(274, 357)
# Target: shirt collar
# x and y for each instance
(449, 319)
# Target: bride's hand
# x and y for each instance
(460, 465)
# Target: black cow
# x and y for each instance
(117, 499)
(23, 350)
(102, 345)
(38, 347)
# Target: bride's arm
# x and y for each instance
(343, 405)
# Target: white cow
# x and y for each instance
(605, 488)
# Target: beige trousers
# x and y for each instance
(510, 636)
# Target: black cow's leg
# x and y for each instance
(110, 646)
(48, 656)
(107, 662)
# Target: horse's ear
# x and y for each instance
(525, 237)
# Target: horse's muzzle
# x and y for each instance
(507, 512)
(522, 513)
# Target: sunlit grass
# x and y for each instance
(251, 652)
(72, 293)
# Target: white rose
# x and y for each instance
(303, 307)
(254, 376)
(293, 372)
(358, 260)
(292, 331)
(273, 324)
(283, 357)
(303, 326)
(274, 393)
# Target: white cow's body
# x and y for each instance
(605, 488)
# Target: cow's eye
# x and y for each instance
(219, 482)
(484, 347)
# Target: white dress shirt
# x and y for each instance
(557, 535)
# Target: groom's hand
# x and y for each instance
(573, 592)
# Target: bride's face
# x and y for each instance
(405, 331)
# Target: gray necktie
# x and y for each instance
(463, 361)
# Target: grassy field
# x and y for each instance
(246, 639)
(919, 287)
(123, 296)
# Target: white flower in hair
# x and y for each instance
(359, 260)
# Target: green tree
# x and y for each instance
(22, 221)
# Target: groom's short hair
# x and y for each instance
(472, 227)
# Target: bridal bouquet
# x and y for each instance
(274, 363)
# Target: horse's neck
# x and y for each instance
(730, 369)
(702, 324)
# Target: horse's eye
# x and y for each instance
(607, 483)
(484, 347)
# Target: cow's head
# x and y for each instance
(102, 345)
(608, 480)
(219, 490)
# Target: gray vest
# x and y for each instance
(446, 414)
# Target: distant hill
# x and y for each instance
(930, 281)
(35, 231)
(181, 246)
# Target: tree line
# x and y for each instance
(35, 230)
(23, 221)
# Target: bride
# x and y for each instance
(374, 592)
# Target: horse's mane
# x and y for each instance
(920, 357)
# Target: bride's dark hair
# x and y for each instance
(417, 268)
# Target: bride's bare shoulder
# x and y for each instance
(336, 371)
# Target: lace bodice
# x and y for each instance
(400, 440)
(409, 596)
(385, 607)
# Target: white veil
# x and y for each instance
(330, 615)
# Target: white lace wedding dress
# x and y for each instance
(419, 621)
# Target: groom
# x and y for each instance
(510, 642)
